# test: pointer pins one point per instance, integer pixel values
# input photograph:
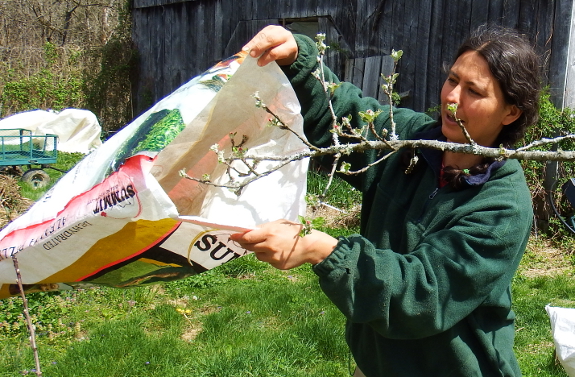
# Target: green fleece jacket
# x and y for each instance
(426, 286)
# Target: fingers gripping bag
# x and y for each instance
(126, 216)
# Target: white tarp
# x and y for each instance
(77, 130)
(563, 329)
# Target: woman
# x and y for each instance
(425, 288)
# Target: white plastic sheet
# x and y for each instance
(563, 329)
(78, 130)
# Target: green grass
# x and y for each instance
(534, 342)
(340, 194)
(545, 276)
(244, 318)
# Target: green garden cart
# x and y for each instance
(19, 147)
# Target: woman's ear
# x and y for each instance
(513, 113)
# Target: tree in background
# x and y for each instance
(66, 53)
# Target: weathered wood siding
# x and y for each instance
(177, 40)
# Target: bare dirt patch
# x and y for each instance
(191, 334)
(336, 218)
(194, 317)
(542, 258)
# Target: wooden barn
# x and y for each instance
(178, 39)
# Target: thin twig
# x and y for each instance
(286, 127)
(452, 108)
(374, 132)
(364, 169)
(546, 141)
(465, 133)
(388, 89)
(331, 175)
(320, 76)
(31, 328)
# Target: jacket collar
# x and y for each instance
(434, 157)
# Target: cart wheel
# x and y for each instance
(37, 178)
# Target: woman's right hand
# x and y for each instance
(273, 43)
(280, 244)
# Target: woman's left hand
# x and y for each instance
(279, 243)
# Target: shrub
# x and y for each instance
(541, 175)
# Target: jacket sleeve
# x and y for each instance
(347, 101)
(463, 265)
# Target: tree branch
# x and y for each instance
(391, 146)
(384, 142)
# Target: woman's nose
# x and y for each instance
(453, 95)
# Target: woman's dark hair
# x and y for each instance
(515, 65)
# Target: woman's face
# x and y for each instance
(480, 103)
